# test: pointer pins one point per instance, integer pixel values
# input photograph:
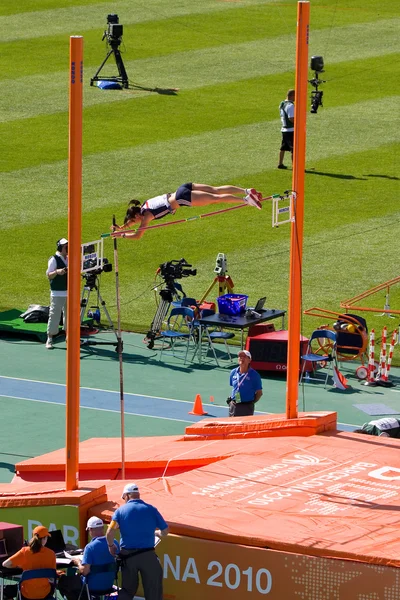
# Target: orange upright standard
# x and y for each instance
(74, 261)
(296, 241)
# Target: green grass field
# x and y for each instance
(233, 62)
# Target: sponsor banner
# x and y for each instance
(65, 518)
(199, 569)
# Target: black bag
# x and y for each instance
(36, 313)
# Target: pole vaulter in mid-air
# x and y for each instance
(188, 194)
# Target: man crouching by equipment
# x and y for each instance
(387, 427)
(57, 275)
(139, 523)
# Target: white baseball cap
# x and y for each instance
(130, 488)
(62, 242)
(94, 522)
(245, 352)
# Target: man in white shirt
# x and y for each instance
(286, 110)
(57, 275)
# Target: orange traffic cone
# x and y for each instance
(211, 399)
(197, 407)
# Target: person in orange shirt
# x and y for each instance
(34, 556)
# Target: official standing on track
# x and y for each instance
(57, 275)
(138, 523)
(246, 387)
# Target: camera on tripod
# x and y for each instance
(169, 271)
(91, 262)
(175, 269)
(114, 31)
(113, 36)
(221, 264)
(317, 65)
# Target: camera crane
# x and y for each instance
(317, 65)
(113, 36)
(169, 272)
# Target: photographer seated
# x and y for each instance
(97, 567)
(246, 387)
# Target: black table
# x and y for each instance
(240, 321)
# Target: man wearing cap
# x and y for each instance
(31, 557)
(57, 275)
(246, 387)
(138, 523)
(97, 566)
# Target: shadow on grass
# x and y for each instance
(384, 177)
(335, 175)
(156, 90)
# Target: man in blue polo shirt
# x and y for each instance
(139, 524)
(97, 567)
(246, 387)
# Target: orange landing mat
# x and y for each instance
(335, 495)
(331, 495)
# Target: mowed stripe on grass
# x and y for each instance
(149, 169)
(196, 69)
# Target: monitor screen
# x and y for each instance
(260, 304)
(56, 541)
(3, 548)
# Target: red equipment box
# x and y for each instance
(13, 535)
(269, 351)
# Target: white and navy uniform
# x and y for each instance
(159, 206)
(387, 427)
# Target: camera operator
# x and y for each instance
(57, 275)
(286, 110)
(246, 387)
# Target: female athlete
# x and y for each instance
(188, 194)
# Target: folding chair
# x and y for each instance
(324, 350)
(31, 574)
(215, 334)
(180, 326)
(88, 594)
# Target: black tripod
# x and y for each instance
(122, 77)
(167, 295)
(92, 283)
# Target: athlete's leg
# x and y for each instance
(219, 190)
(200, 198)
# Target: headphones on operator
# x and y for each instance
(60, 243)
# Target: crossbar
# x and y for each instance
(194, 218)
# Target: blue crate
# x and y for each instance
(232, 304)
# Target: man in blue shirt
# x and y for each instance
(246, 387)
(97, 567)
(139, 524)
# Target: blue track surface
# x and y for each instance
(145, 406)
(105, 400)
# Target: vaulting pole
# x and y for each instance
(296, 241)
(119, 350)
(74, 261)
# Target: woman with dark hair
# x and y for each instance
(188, 194)
(34, 556)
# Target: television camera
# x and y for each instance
(113, 36)
(91, 262)
(173, 270)
(316, 65)
(114, 31)
(170, 290)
